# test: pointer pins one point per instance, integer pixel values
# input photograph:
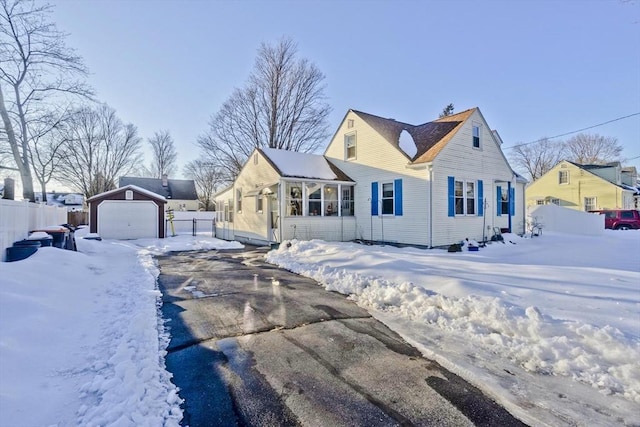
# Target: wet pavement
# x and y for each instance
(253, 345)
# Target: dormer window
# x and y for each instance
(350, 146)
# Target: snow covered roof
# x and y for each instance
(128, 187)
(303, 165)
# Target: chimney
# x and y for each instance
(9, 189)
(165, 181)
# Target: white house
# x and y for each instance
(281, 195)
(382, 180)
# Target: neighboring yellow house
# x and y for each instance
(586, 187)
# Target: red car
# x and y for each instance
(620, 219)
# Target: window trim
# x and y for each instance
(239, 200)
(347, 136)
(478, 126)
(465, 199)
(322, 201)
(382, 198)
(560, 173)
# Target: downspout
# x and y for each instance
(510, 201)
(524, 209)
(430, 206)
(280, 201)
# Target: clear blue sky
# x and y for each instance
(535, 68)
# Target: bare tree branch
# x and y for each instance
(537, 158)
(37, 72)
(593, 149)
(164, 154)
(98, 149)
(207, 177)
(282, 106)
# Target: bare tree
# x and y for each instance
(98, 149)
(164, 154)
(446, 111)
(593, 149)
(37, 69)
(537, 158)
(281, 106)
(207, 177)
(45, 149)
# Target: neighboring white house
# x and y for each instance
(381, 180)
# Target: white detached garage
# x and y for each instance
(128, 212)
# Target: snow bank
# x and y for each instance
(565, 220)
(517, 305)
(82, 342)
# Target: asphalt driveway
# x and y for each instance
(254, 345)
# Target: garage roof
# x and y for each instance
(135, 188)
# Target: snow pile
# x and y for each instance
(521, 305)
(82, 342)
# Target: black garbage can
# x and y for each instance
(18, 253)
(27, 242)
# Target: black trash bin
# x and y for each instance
(18, 253)
(27, 242)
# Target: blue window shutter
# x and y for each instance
(397, 194)
(374, 198)
(512, 201)
(452, 198)
(480, 198)
(499, 201)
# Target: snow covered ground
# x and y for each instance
(549, 326)
(80, 338)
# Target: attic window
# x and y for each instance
(255, 159)
(563, 177)
(476, 135)
(350, 146)
(349, 123)
(128, 195)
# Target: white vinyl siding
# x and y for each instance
(379, 161)
(459, 159)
